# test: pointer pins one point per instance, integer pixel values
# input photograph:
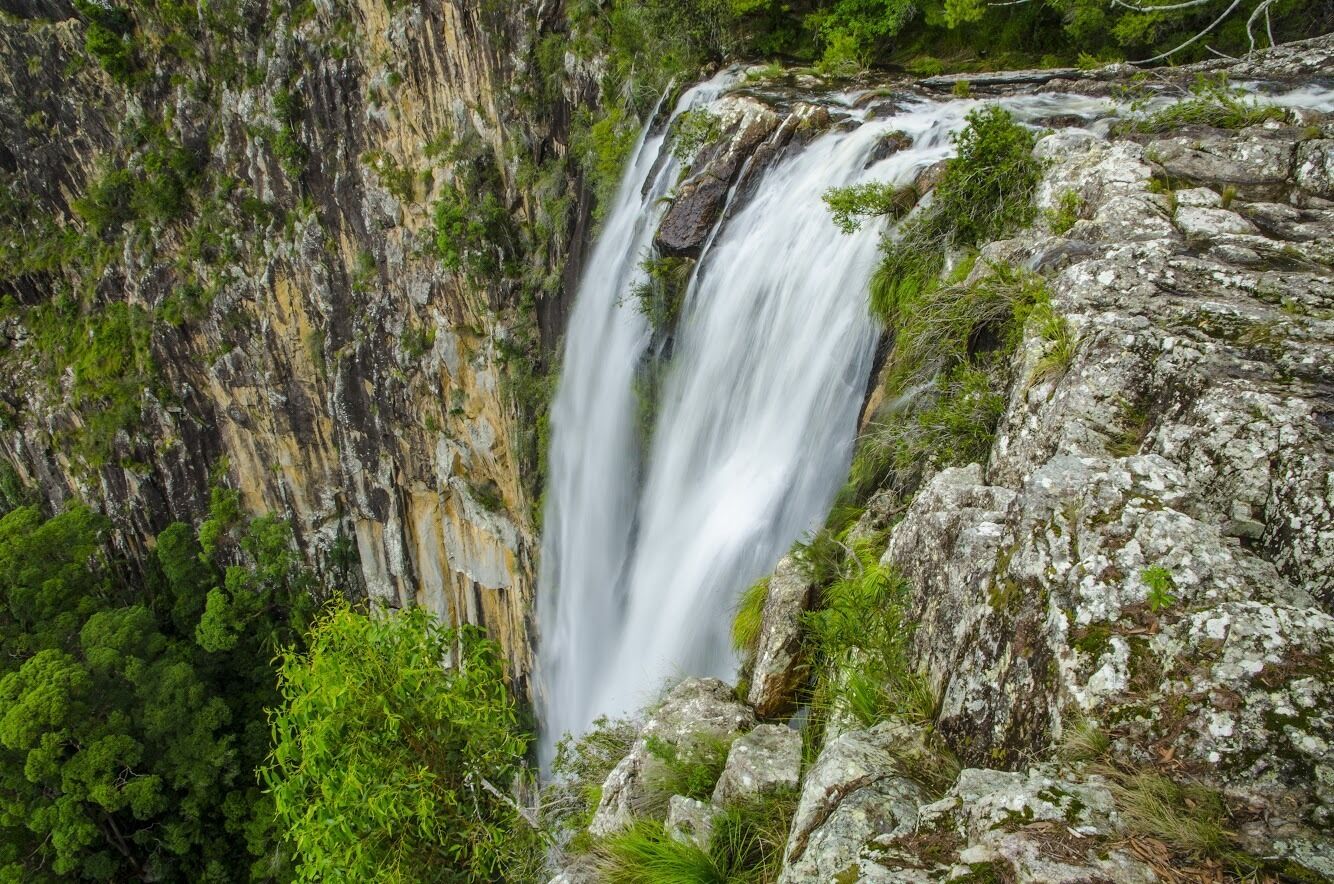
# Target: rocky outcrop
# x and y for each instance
(694, 711)
(1148, 544)
(740, 124)
(778, 667)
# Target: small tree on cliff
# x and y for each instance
(394, 746)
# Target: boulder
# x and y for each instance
(691, 821)
(1206, 223)
(778, 665)
(695, 708)
(763, 762)
(929, 177)
(889, 144)
(852, 794)
(744, 124)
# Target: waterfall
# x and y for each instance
(645, 554)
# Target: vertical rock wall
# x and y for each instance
(338, 372)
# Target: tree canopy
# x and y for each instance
(396, 746)
(132, 704)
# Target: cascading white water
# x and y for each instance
(593, 461)
(643, 558)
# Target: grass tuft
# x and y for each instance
(749, 618)
(1212, 103)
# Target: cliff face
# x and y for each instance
(290, 328)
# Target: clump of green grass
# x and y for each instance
(1212, 102)
(1059, 335)
(1189, 817)
(949, 366)
(749, 838)
(1083, 741)
(1066, 212)
(690, 767)
(860, 635)
(749, 618)
(644, 853)
(746, 848)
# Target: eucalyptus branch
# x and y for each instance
(1216, 22)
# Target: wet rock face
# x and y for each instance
(741, 125)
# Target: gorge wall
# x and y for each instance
(258, 300)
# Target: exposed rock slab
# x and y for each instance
(695, 708)
(778, 665)
(763, 762)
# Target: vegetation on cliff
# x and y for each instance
(155, 722)
(133, 703)
(389, 765)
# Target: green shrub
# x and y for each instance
(106, 205)
(849, 205)
(417, 341)
(603, 147)
(403, 732)
(644, 853)
(662, 293)
(110, 38)
(1160, 585)
(474, 233)
(108, 351)
(986, 191)
(692, 131)
(988, 187)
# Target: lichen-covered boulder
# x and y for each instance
(690, 820)
(778, 662)
(765, 761)
(1035, 827)
(1258, 164)
(852, 794)
(696, 708)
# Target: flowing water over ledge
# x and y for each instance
(646, 552)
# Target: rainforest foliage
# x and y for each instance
(181, 722)
(389, 766)
(133, 702)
